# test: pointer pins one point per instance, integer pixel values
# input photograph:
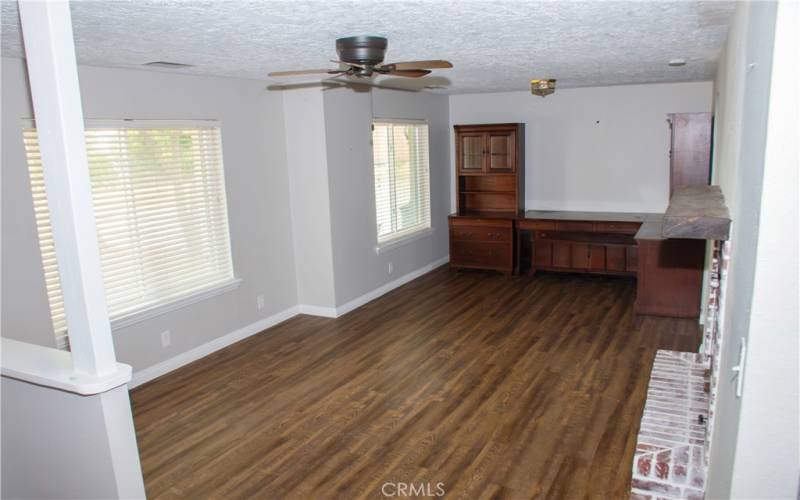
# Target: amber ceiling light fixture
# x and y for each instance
(543, 87)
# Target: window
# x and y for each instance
(402, 193)
(159, 201)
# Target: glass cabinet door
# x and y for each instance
(501, 152)
(471, 152)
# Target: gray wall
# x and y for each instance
(593, 148)
(257, 191)
(311, 215)
(756, 447)
(348, 118)
(60, 445)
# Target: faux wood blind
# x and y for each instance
(162, 224)
(402, 179)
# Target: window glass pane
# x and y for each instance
(400, 154)
(159, 202)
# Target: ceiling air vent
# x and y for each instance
(169, 65)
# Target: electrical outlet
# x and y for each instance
(391, 268)
(260, 302)
(165, 338)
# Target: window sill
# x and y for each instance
(403, 240)
(178, 303)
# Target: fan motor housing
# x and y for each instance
(366, 50)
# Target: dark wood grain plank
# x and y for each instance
(497, 387)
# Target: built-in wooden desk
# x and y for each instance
(668, 271)
(588, 242)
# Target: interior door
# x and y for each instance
(470, 152)
(500, 151)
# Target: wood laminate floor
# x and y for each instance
(497, 387)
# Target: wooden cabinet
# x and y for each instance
(501, 151)
(690, 149)
(470, 149)
(486, 149)
(670, 277)
(482, 243)
(562, 253)
(490, 168)
(490, 173)
(670, 271)
(585, 246)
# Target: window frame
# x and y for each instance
(416, 232)
(150, 311)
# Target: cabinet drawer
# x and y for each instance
(481, 254)
(545, 235)
(575, 226)
(480, 233)
(538, 224)
(617, 227)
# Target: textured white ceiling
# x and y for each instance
(494, 45)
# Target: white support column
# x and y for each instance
(53, 74)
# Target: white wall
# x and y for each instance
(756, 443)
(307, 161)
(595, 148)
(257, 191)
(348, 118)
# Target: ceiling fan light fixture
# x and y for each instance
(543, 87)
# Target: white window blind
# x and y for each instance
(162, 223)
(402, 181)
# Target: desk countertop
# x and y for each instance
(593, 216)
(650, 229)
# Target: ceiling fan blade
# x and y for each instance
(355, 65)
(408, 73)
(434, 64)
(303, 72)
(345, 80)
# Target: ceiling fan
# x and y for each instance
(362, 57)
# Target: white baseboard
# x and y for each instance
(325, 312)
(166, 366)
(388, 287)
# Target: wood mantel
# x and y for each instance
(697, 212)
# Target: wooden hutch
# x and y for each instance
(490, 194)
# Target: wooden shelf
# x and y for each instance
(489, 192)
(697, 212)
(486, 214)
